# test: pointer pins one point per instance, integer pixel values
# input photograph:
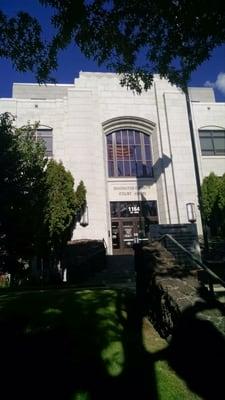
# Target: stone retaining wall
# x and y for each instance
(169, 290)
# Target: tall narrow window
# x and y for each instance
(129, 154)
(45, 135)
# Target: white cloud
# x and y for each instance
(209, 84)
(219, 84)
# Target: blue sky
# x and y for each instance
(71, 61)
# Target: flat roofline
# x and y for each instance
(8, 98)
(208, 103)
(200, 87)
(43, 84)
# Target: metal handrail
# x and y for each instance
(200, 264)
(139, 240)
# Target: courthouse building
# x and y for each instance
(133, 152)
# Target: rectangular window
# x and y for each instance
(114, 208)
(130, 209)
(45, 135)
(212, 142)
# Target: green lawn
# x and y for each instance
(81, 345)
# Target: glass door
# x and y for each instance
(116, 242)
(123, 232)
(128, 232)
(130, 223)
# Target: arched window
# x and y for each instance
(129, 153)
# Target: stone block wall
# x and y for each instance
(170, 290)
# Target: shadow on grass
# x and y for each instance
(88, 345)
(197, 350)
(138, 377)
(56, 346)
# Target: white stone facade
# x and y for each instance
(83, 113)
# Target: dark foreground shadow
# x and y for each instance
(138, 377)
(197, 352)
(53, 346)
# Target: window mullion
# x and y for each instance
(114, 154)
(128, 146)
(143, 150)
(213, 144)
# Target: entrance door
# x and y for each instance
(130, 221)
(116, 241)
(128, 231)
(123, 233)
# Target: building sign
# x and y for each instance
(128, 192)
(134, 209)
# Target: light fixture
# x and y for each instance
(191, 215)
(84, 220)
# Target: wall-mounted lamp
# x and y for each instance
(191, 215)
(84, 220)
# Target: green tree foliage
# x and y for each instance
(22, 163)
(221, 203)
(222, 193)
(134, 38)
(62, 204)
(38, 204)
(213, 203)
(21, 42)
(210, 192)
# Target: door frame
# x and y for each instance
(123, 249)
(138, 219)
